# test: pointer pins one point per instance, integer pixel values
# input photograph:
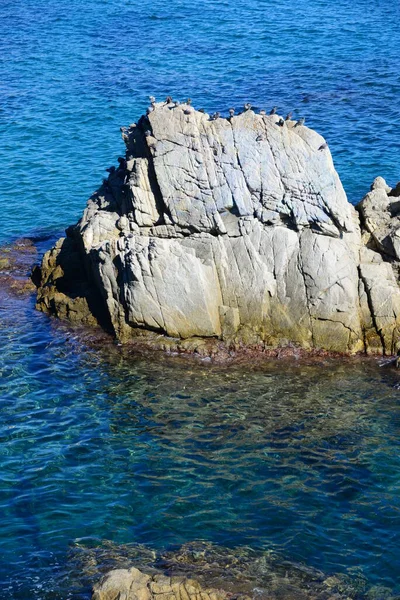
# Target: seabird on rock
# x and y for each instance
(273, 110)
(215, 116)
(300, 122)
(323, 146)
(281, 122)
(189, 101)
(122, 162)
(152, 99)
(168, 100)
(231, 112)
(262, 112)
(288, 116)
(147, 133)
(124, 133)
(201, 110)
(188, 111)
(247, 106)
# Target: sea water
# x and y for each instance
(99, 445)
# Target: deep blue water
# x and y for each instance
(96, 444)
(72, 72)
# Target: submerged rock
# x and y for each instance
(210, 572)
(15, 265)
(233, 230)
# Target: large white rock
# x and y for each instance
(236, 229)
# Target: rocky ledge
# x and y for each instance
(132, 584)
(235, 230)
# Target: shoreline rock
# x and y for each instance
(230, 233)
(132, 584)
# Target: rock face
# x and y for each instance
(230, 229)
(132, 584)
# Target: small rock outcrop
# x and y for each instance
(233, 229)
(132, 584)
(205, 571)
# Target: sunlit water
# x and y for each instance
(95, 444)
(72, 72)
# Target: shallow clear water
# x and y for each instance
(303, 459)
(300, 458)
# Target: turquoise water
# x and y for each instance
(96, 444)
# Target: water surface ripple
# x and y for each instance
(71, 73)
(303, 459)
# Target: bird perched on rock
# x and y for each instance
(189, 101)
(323, 146)
(168, 100)
(288, 116)
(262, 112)
(152, 99)
(273, 110)
(247, 106)
(122, 162)
(188, 111)
(147, 133)
(231, 112)
(124, 134)
(281, 123)
(201, 110)
(300, 122)
(215, 116)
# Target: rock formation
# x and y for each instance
(132, 584)
(233, 229)
(204, 571)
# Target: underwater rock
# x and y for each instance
(233, 232)
(215, 573)
(15, 265)
(231, 573)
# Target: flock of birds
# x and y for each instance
(188, 109)
(231, 111)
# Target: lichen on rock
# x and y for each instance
(231, 229)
